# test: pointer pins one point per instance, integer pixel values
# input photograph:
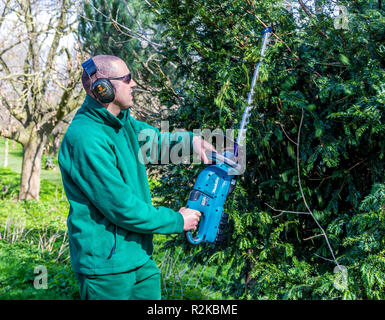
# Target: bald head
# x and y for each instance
(108, 66)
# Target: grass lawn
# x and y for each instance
(15, 156)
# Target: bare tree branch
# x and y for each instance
(3, 14)
(11, 46)
(55, 43)
(285, 211)
(37, 96)
(309, 14)
(317, 235)
(128, 32)
(302, 193)
(12, 112)
(310, 212)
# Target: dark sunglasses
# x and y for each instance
(126, 78)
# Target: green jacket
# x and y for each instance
(111, 220)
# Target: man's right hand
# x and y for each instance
(191, 218)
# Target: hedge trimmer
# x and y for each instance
(218, 180)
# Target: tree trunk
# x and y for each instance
(5, 163)
(30, 173)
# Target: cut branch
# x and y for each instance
(285, 211)
(301, 189)
(309, 212)
(316, 236)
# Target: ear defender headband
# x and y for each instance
(102, 88)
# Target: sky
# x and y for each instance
(12, 29)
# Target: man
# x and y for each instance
(111, 220)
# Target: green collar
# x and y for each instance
(100, 114)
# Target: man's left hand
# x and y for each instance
(200, 146)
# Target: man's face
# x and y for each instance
(123, 90)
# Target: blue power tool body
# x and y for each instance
(211, 189)
(218, 180)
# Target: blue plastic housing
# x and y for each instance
(209, 196)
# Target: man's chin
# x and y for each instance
(131, 104)
(127, 106)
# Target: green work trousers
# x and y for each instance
(142, 283)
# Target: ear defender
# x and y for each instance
(101, 88)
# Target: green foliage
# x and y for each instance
(34, 234)
(337, 78)
(182, 278)
(122, 29)
(9, 184)
(17, 274)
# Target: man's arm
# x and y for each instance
(161, 145)
(95, 173)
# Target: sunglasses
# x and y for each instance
(125, 79)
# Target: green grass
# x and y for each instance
(20, 267)
(15, 156)
(33, 234)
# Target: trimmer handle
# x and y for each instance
(209, 195)
(198, 238)
(221, 158)
(193, 240)
(227, 158)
